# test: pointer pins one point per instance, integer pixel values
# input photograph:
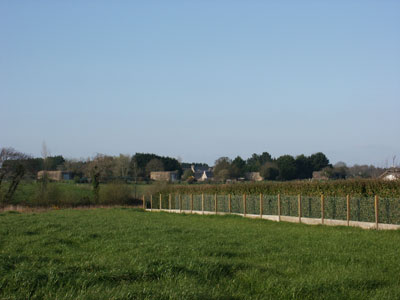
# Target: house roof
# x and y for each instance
(209, 174)
(199, 175)
(391, 174)
(199, 168)
(163, 172)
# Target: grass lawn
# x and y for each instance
(69, 194)
(130, 254)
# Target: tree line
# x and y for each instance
(15, 164)
(107, 167)
(285, 167)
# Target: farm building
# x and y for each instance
(319, 175)
(391, 174)
(253, 176)
(164, 176)
(55, 175)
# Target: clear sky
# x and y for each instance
(202, 79)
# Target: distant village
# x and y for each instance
(147, 167)
(202, 175)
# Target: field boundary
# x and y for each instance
(34, 209)
(302, 220)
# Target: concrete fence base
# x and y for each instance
(304, 220)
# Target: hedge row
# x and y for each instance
(355, 187)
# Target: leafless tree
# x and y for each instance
(15, 170)
(121, 165)
(101, 164)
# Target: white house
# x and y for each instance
(391, 174)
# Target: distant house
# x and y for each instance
(253, 176)
(391, 174)
(55, 175)
(164, 176)
(202, 173)
(319, 175)
(206, 175)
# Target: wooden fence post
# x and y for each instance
(230, 203)
(348, 209)
(376, 211)
(261, 205)
(160, 201)
(169, 202)
(244, 204)
(202, 203)
(144, 202)
(191, 203)
(180, 202)
(215, 203)
(322, 209)
(151, 202)
(299, 206)
(279, 207)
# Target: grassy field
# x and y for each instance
(130, 254)
(69, 194)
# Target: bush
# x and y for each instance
(187, 174)
(48, 195)
(77, 179)
(116, 193)
(191, 180)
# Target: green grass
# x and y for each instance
(130, 254)
(27, 193)
(69, 194)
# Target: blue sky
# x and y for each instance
(202, 79)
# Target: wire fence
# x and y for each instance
(350, 209)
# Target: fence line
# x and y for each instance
(350, 211)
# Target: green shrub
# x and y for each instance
(49, 195)
(116, 193)
(77, 179)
